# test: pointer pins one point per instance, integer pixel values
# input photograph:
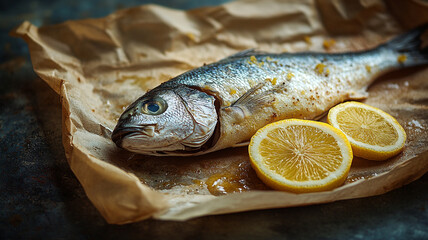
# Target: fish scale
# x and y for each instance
(242, 93)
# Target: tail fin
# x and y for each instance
(412, 45)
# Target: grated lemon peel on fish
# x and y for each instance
(201, 111)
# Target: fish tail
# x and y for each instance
(412, 47)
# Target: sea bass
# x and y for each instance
(223, 104)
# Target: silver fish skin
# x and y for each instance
(223, 104)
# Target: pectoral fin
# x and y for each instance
(250, 102)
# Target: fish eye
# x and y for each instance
(154, 106)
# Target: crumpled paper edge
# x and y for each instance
(141, 201)
(158, 203)
(408, 172)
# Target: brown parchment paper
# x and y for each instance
(99, 66)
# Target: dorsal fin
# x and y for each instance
(245, 53)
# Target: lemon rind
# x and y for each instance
(365, 150)
(277, 181)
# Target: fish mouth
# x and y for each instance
(121, 133)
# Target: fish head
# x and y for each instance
(163, 121)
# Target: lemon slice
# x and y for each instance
(300, 155)
(373, 133)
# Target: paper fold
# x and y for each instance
(99, 66)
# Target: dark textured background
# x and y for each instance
(41, 199)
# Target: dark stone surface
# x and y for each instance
(41, 199)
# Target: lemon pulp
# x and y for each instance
(300, 155)
(373, 133)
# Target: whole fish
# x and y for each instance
(223, 104)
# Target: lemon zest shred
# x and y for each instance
(369, 69)
(191, 36)
(319, 68)
(401, 58)
(274, 81)
(327, 44)
(308, 40)
(253, 59)
(327, 72)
